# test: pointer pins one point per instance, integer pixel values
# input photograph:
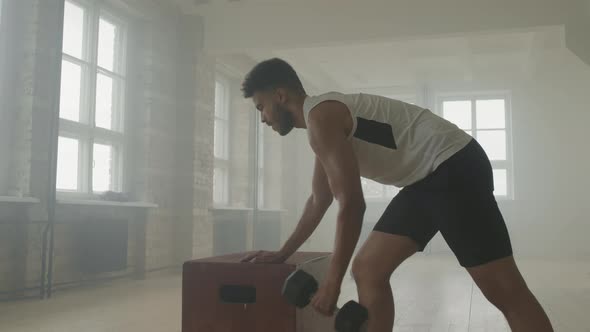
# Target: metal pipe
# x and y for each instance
(43, 262)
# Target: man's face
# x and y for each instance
(273, 112)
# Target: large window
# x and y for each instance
(221, 143)
(91, 133)
(486, 118)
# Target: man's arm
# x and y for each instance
(315, 208)
(328, 137)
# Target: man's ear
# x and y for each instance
(282, 95)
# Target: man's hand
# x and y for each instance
(262, 257)
(325, 299)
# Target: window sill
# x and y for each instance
(16, 199)
(89, 202)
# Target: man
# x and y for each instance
(447, 187)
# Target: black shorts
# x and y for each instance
(456, 199)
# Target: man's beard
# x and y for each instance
(284, 119)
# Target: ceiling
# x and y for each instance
(383, 66)
(382, 44)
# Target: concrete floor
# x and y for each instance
(432, 294)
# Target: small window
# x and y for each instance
(486, 118)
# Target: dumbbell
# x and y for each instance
(300, 287)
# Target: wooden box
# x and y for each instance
(220, 294)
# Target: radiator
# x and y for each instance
(103, 245)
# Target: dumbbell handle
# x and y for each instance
(311, 297)
(363, 327)
(307, 281)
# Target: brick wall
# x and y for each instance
(202, 234)
(170, 155)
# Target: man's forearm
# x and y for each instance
(348, 229)
(312, 215)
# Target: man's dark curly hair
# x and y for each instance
(271, 74)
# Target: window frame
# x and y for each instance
(473, 97)
(85, 130)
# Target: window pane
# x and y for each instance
(490, 114)
(500, 182)
(458, 112)
(102, 173)
(219, 186)
(107, 39)
(67, 163)
(494, 143)
(71, 78)
(104, 101)
(220, 143)
(73, 38)
(371, 189)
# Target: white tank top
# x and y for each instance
(396, 143)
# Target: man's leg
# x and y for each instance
(372, 268)
(503, 285)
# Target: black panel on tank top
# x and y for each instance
(375, 132)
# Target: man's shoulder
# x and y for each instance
(328, 111)
(331, 95)
(332, 117)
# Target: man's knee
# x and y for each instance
(380, 255)
(359, 266)
(365, 274)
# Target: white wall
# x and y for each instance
(551, 118)
(278, 24)
(550, 112)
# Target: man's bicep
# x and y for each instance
(337, 158)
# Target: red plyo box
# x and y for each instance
(220, 294)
